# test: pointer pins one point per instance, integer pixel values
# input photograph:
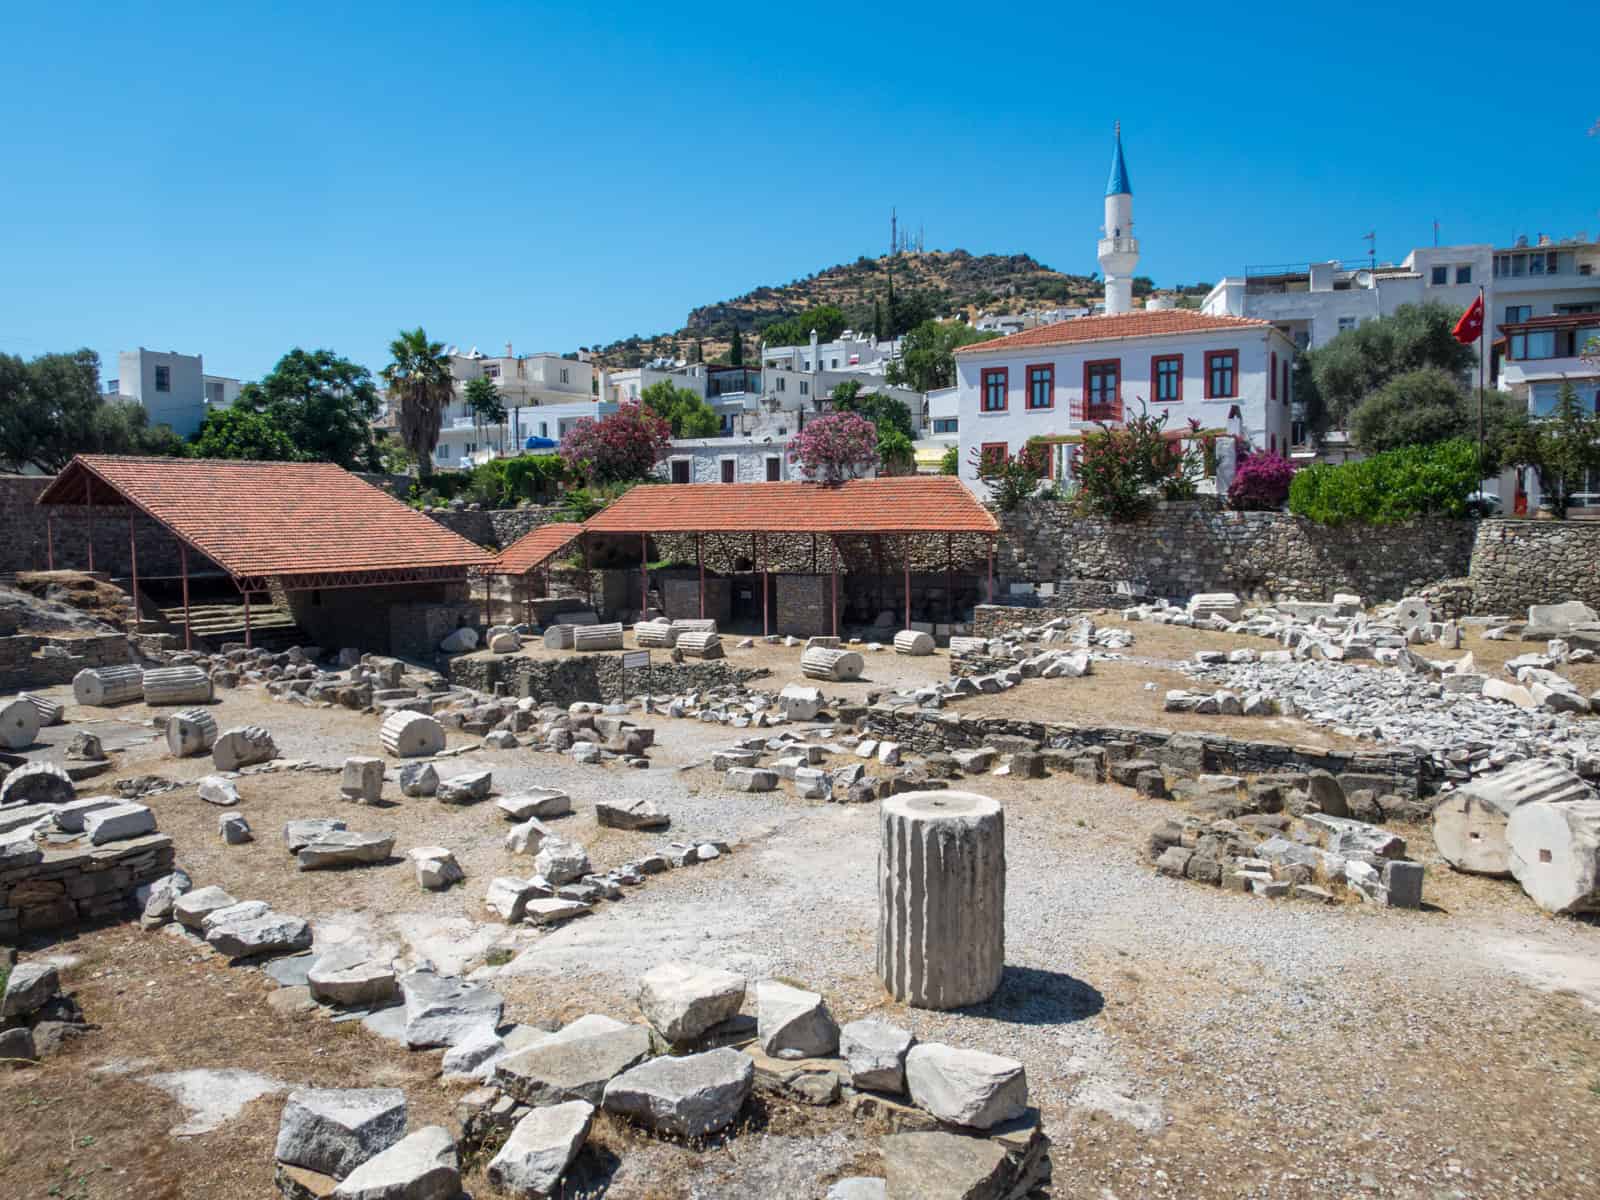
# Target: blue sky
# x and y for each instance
(238, 183)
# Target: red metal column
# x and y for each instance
(133, 559)
(991, 572)
(183, 567)
(700, 564)
(588, 576)
(764, 629)
(88, 507)
(835, 586)
(905, 549)
(644, 575)
(50, 542)
(949, 579)
(247, 619)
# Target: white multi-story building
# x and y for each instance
(850, 352)
(1225, 373)
(173, 388)
(527, 381)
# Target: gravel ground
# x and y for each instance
(1178, 1039)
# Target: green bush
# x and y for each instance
(1397, 485)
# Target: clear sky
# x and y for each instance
(238, 180)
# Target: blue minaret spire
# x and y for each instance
(1118, 184)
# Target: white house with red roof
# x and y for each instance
(1230, 373)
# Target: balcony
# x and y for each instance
(1118, 245)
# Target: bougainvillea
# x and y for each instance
(836, 447)
(1261, 482)
(616, 448)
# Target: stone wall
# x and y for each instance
(25, 542)
(1194, 546)
(1399, 771)
(79, 883)
(1518, 563)
(496, 528)
(29, 661)
(595, 678)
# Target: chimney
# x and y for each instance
(508, 349)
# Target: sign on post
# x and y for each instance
(636, 660)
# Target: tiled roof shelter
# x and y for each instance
(303, 525)
(536, 548)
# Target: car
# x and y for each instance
(1585, 505)
(1484, 504)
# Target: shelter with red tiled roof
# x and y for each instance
(304, 532)
(1056, 381)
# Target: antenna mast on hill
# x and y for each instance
(894, 231)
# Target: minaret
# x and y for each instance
(1119, 249)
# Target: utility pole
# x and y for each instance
(894, 232)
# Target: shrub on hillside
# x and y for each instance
(1397, 485)
(1261, 482)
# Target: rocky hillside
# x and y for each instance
(950, 281)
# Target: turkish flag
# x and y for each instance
(1470, 328)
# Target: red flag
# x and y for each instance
(1470, 328)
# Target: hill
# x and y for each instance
(939, 282)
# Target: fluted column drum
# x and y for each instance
(941, 898)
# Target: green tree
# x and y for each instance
(51, 408)
(896, 453)
(1562, 448)
(927, 355)
(736, 348)
(885, 412)
(827, 319)
(482, 396)
(239, 431)
(418, 379)
(950, 464)
(877, 320)
(687, 414)
(324, 403)
(1338, 376)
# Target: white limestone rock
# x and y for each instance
(793, 1023)
(420, 1166)
(214, 789)
(876, 1052)
(682, 1000)
(437, 868)
(334, 1130)
(541, 1148)
(692, 1096)
(966, 1087)
(442, 1010)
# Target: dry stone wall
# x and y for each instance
(1518, 563)
(594, 678)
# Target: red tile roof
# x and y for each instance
(1161, 323)
(535, 548)
(259, 519)
(903, 504)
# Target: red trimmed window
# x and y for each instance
(993, 398)
(1166, 379)
(1222, 374)
(1272, 376)
(1285, 370)
(1102, 390)
(990, 455)
(1041, 386)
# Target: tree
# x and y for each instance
(1397, 485)
(685, 413)
(418, 379)
(239, 431)
(1338, 376)
(51, 408)
(927, 355)
(877, 320)
(1429, 405)
(619, 448)
(885, 412)
(835, 447)
(736, 348)
(1562, 448)
(1013, 479)
(896, 453)
(827, 319)
(482, 396)
(1120, 469)
(911, 310)
(323, 403)
(950, 464)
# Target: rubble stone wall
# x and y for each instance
(497, 528)
(1518, 563)
(26, 543)
(80, 883)
(1195, 546)
(594, 678)
(28, 661)
(1400, 771)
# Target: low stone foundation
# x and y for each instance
(78, 883)
(1400, 772)
(595, 678)
(31, 661)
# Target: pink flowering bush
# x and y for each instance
(836, 447)
(618, 448)
(1261, 482)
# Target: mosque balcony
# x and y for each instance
(1119, 245)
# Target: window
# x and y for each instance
(1440, 277)
(1272, 376)
(163, 379)
(1102, 390)
(1041, 387)
(1518, 312)
(1346, 323)
(213, 393)
(564, 378)
(469, 449)
(993, 397)
(1285, 370)
(946, 425)
(1222, 374)
(492, 371)
(805, 387)
(1464, 273)
(991, 454)
(680, 470)
(442, 452)
(727, 465)
(544, 429)
(783, 384)
(774, 468)
(1166, 378)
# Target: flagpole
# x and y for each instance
(1483, 346)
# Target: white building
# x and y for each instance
(850, 352)
(726, 460)
(173, 388)
(1230, 373)
(528, 381)
(943, 429)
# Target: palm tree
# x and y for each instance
(419, 378)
